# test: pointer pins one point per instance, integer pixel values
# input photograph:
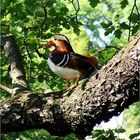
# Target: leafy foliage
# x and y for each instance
(36, 134)
(30, 135)
(123, 3)
(113, 134)
(107, 134)
(97, 134)
(94, 3)
(132, 118)
(134, 136)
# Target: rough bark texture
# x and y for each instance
(102, 96)
(17, 72)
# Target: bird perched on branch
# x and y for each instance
(64, 62)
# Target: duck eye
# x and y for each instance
(55, 39)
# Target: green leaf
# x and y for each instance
(124, 25)
(134, 135)
(56, 30)
(52, 12)
(66, 25)
(64, 10)
(106, 24)
(77, 30)
(94, 3)
(40, 78)
(135, 29)
(109, 30)
(119, 130)
(97, 133)
(133, 18)
(118, 33)
(19, 1)
(123, 3)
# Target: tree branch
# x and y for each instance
(17, 72)
(8, 90)
(130, 18)
(102, 96)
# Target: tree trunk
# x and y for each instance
(108, 93)
(17, 72)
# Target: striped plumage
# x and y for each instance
(67, 64)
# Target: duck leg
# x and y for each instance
(68, 87)
(76, 82)
(68, 84)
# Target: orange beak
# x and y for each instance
(49, 44)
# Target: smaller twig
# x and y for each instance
(107, 47)
(138, 14)
(45, 16)
(113, 47)
(8, 90)
(134, 6)
(76, 8)
(44, 6)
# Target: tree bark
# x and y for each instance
(17, 72)
(108, 93)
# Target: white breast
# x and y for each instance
(63, 72)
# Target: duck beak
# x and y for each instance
(49, 44)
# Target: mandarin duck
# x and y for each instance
(64, 62)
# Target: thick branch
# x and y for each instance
(17, 72)
(104, 95)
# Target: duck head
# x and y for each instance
(60, 42)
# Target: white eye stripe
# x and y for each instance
(61, 37)
(64, 38)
